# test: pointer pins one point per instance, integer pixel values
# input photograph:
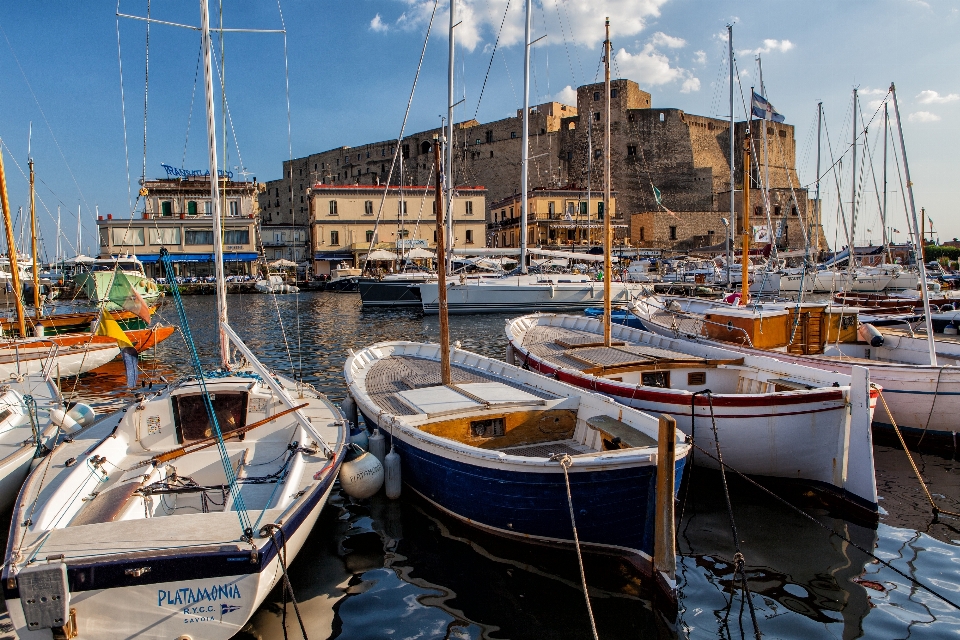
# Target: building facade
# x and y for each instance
(177, 216)
(556, 218)
(347, 220)
(682, 157)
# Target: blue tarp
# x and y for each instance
(200, 257)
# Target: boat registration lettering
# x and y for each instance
(194, 596)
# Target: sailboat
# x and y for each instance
(511, 452)
(771, 419)
(175, 517)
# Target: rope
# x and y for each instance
(273, 529)
(933, 505)
(565, 463)
(492, 54)
(738, 559)
(242, 515)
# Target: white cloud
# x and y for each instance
(700, 57)
(873, 105)
(922, 3)
(377, 24)
(654, 68)
(660, 39)
(770, 45)
(567, 95)
(923, 116)
(933, 97)
(581, 20)
(872, 92)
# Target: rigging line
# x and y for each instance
(123, 115)
(566, 44)
(873, 173)
(490, 64)
(146, 92)
(836, 179)
(45, 120)
(193, 95)
(570, 24)
(403, 126)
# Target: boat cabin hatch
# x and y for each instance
(193, 423)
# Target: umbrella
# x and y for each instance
(382, 254)
(418, 253)
(283, 263)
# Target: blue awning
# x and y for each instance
(331, 255)
(200, 257)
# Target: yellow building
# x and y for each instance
(555, 218)
(344, 221)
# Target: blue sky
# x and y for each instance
(351, 66)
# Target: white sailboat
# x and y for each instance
(236, 464)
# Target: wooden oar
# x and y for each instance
(209, 442)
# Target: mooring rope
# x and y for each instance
(566, 462)
(281, 547)
(933, 505)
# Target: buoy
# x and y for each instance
(83, 414)
(950, 330)
(868, 333)
(391, 466)
(361, 475)
(349, 408)
(67, 424)
(377, 445)
(511, 354)
(38, 331)
(358, 436)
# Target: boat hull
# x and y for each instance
(509, 297)
(385, 293)
(97, 285)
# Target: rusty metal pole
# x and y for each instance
(441, 270)
(664, 551)
(11, 251)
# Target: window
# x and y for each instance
(551, 209)
(104, 239)
(491, 154)
(656, 379)
(469, 233)
(128, 237)
(783, 134)
(710, 232)
(489, 136)
(597, 153)
(661, 117)
(368, 207)
(236, 236)
(600, 210)
(208, 206)
(166, 208)
(673, 233)
(596, 116)
(403, 233)
(199, 236)
(165, 236)
(333, 207)
(478, 140)
(434, 235)
(234, 208)
(513, 134)
(468, 207)
(776, 210)
(571, 235)
(511, 212)
(642, 234)
(335, 238)
(513, 238)
(793, 211)
(631, 150)
(425, 147)
(370, 236)
(583, 209)
(569, 156)
(192, 421)
(596, 96)
(402, 207)
(406, 151)
(758, 211)
(192, 207)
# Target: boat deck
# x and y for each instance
(390, 376)
(583, 350)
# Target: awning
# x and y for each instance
(330, 255)
(200, 257)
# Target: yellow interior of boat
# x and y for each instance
(500, 429)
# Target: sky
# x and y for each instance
(350, 68)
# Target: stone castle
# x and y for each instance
(683, 156)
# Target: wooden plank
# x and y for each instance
(520, 427)
(581, 345)
(663, 365)
(618, 434)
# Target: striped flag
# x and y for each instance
(763, 109)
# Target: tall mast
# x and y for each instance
(732, 227)
(58, 240)
(589, 180)
(525, 138)
(79, 232)
(448, 172)
(853, 188)
(886, 134)
(766, 161)
(745, 257)
(445, 378)
(607, 226)
(33, 235)
(11, 250)
(931, 346)
(214, 182)
(816, 204)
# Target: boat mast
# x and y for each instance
(79, 232)
(445, 378)
(745, 258)
(33, 234)
(886, 134)
(214, 182)
(851, 262)
(816, 204)
(931, 345)
(766, 164)
(11, 250)
(589, 182)
(525, 139)
(607, 226)
(448, 184)
(59, 270)
(732, 227)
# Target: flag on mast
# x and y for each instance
(124, 294)
(763, 109)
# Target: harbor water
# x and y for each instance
(400, 569)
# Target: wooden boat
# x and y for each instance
(483, 447)
(74, 328)
(773, 419)
(236, 464)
